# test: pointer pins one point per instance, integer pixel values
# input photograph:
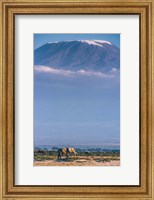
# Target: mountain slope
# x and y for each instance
(95, 55)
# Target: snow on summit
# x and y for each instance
(96, 42)
(103, 42)
(90, 42)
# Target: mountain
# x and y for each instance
(92, 55)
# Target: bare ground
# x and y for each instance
(82, 161)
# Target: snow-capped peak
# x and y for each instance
(78, 55)
(103, 42)
(96, 42)
(91, 42)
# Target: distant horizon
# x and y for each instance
(79, 146)
(105, 144)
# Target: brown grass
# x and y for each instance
(79, 161)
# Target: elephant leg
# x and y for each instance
(59, 155)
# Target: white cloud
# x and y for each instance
(69, 73)
(45, 69)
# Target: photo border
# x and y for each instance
(10, 8)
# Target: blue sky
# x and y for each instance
(40, 39)
(78, 109)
